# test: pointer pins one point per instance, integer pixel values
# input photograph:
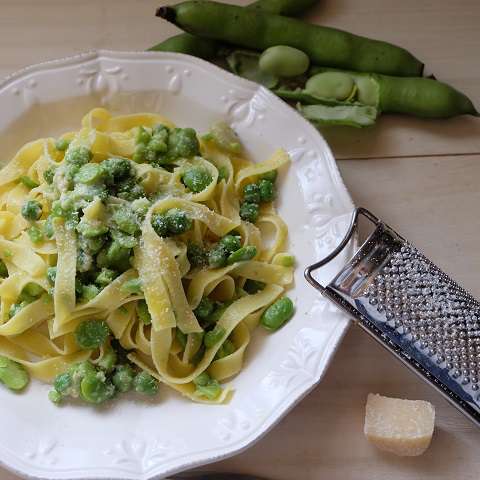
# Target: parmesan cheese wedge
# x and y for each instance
(402, 427)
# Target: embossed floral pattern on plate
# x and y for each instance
(135, 440)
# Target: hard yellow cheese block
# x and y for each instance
(403, 427)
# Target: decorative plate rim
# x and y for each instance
(331, 345)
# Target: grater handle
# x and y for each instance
(352, 229)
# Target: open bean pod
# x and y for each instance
(418, 96)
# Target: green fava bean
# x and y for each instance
(204, 308)
(225, 350)
(275, 316)
(95, 389)
(143, 312)
(202, 379)
(12, 374)
(196, 179)
(126, 220)
(91, 334)
(32, 289)
(55, 397)
(242, 254)
(196, 254)
(91, 231)
(123, 378)
(178, 221)
(249, 211)
(217, 256)
(133, 286)
(78, 156)
(81, 369)
(28, 182)
(145, 383)
(48, 175)
(114, 169)
(63, 383)
(206, 386)
(267, 191)
(108, 360)
(231, 243)
(210, 391)
(214, 336)
(88, 173)
(48, 227)
(224, 137)
(89, 292)
(284, 61)
(160, 224)
(183, 143)
(105, 277)
(143, 136)
(62, 144)
(251, 193)
(336, 85)
(31, 210)
(35, 234)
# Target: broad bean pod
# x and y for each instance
(257, 30)
(206, 48)
(421, 97)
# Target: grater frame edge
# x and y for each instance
(373, 331)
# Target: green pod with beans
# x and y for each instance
(338, 97)
(259, 31)
(283, 61)
(420, 97)
(206, 48)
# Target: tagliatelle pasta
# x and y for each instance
(133, 252)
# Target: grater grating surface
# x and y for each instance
(413, 309)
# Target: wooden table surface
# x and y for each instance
(422, 176)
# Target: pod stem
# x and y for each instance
(168, 13)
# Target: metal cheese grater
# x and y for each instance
(413, 309)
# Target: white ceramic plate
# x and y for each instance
(133, 439)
